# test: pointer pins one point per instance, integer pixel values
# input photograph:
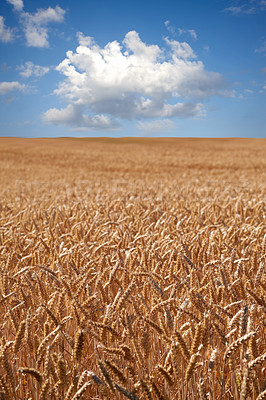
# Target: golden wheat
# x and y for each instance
(132, 268)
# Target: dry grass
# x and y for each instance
(132, 269)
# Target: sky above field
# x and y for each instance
(133, 68)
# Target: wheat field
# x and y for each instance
(132, 269)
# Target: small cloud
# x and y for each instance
(170, 28)
(30, 69)
(191, 32)
(24, 123)
(6, 33)
(206, 48)
(246, 8)
(6, 87)
(180, 31)
(240, 10)
(158, 125)
(249, 91)
(35, 25)
(17, 4)
(261, 49)
(5, 67)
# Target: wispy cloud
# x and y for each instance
(5, 67)
(170, 28)
(29, 69)
(132, 80)
(246, 8)
(155, 126)
(178, 31)
(6, 34)
(6, 87)
(262, 48)
(240, 10)
(190, 31)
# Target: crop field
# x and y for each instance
(132, 269)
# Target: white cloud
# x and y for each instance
(180, 31)
(181, 50)
(170, 28)
(190, 31)
(29, 69)
(240, 10)
(249, 91)
(193, 33)
(17, 4)
(74, 117)
(6, 87)
(246, 8)
(132, 80)
(6, 33)
(158, 125)
(35, 25)
(84, 40)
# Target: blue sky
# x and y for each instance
(142, 68)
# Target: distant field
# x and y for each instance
(132, 268)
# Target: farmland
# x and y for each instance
(132, 268)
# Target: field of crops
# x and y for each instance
(132, 269)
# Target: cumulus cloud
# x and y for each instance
(6, 33)
(35, 25)
(158, 125)
(6, 87)
(29, 69)
(132, 80)
(17, 4)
